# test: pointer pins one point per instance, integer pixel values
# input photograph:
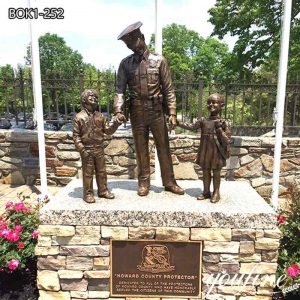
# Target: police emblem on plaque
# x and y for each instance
(155, 259)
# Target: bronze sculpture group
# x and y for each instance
(147, 79)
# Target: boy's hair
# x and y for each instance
(217, 96)
(87, 93)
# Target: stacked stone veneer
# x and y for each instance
(251, 159)
(239, 234)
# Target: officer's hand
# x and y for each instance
(172, 122)
(120, 117)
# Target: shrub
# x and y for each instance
(289, 251)
(18, 234)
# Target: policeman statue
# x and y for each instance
(151, 94)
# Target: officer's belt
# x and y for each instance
(152, 100)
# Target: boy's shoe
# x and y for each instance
(204, 195)
(107, 195)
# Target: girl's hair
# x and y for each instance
(217, 96)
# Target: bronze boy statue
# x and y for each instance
(151, 94)
(89, 127)
(214, 146)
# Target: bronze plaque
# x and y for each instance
(155, 268)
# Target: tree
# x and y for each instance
(256, 24)
(60, 69)
(6, 87)
(189, 54)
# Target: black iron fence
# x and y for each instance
(246, 103)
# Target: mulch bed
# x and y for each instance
(19, 285)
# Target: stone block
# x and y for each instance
(266, 244)
(211, 234)
(79, 294)
(243, 234)
(47, 295)
(252, 169)
(259, 233)
(185, 170)
(70, 274)
(229, 257)
(210, 257)
(101, 250)
(118, 147)
(14, 178)
(232, 163)
(273, 233)
(257, 297)
(221, 247)
(256, 182)
(98, 294)
(66, 147)
(101, 263)
(58, 230)
(238, 151)
(87, 230)
(76, 240)
(7, 166)
(44, 251)
(256, 257)
(74, 284)
(65, 171)
(114, 232)
(258, 268)
(268, 281)
(79, 263)
(172, 233)
(237, 290)
(68, 155)
(48, 280)
(51, 262)
(247, 247)
(246, 141)
(141, 233)
(269, 256)
(97, 274)
(265, 291)
(44, 241)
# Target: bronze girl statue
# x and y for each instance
(214, 146)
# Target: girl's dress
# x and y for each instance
(209, 154)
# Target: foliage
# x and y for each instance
(256, 24)
(289, 252)
(190, 55)
(18, 234)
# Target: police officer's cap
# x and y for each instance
(129, 30)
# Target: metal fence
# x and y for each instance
(246, 103)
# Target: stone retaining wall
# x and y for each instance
(74, 261)
(251, 159)
(240, 242)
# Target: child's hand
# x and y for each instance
(120, 118)
(218, 124)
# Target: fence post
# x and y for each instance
(81, 81)
(200, 97)
(22, 95)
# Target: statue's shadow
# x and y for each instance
(131, 185)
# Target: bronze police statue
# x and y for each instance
(89, 127)
(151, 93)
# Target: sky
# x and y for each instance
(91, 26)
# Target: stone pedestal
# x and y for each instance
(240, 238)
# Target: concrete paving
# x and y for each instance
(10, 193)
